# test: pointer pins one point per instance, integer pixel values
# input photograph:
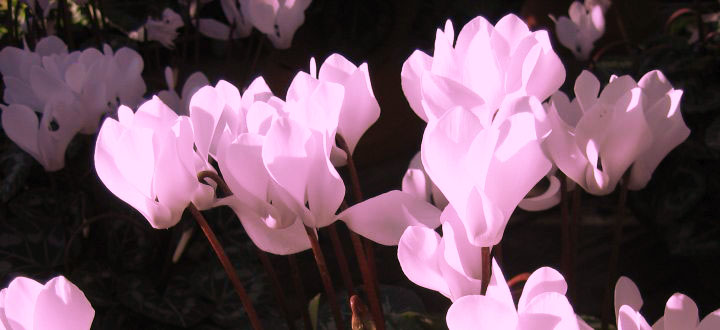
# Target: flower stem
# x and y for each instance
(299, 291)
(566, 261)
(325, 276)
(486, 269)
(367, 268)
(264, 259)
(607, 307)
(277, 288)
(342, 260)
(229, 269)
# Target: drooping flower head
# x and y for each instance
(579, 32)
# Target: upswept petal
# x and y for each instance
(711, 321)
(359, 108)
(629, 318)
(20, 124)
(411, 80)
(63, 306)
(384, 218)
(23, 293)
(419, 254)
(541, 281)
(627, 293)
(681, 312)
(481, 312)
(444, 147)
(441, 94)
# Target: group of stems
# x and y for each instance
(364, 254)
(570, 214)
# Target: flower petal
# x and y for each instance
(480, 312)
(384, 218)
(680, 312)
(541, 281)
(62, 305)
(627, 293)
(411, 80)
(20, 299)
(418, 254)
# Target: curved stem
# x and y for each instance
(367, 267)
(325, 276)
(218, 180)
(607, 308)
(342, 260)
(227, 265)
(277, 288)
(299, 291)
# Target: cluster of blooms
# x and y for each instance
(26, 304)
(69, 91)
(277, 19)
(277, 156)
(681, 312)
(585, 25)
(489, 140)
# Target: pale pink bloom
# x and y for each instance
(163, 30)
(542, 305)
(595, 139)
(181, 103)
(681, 312)
(15, 67)
(579, 32)
(359, 109)
(449, 264)
(278, 19)
(484, 168)
(237, 14)
(45, 140)
(661, 106)
(484, 66)
(147, 160)
(58, 304)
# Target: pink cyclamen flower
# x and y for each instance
(278, 19)
(595, 139)
(542, 305)
(147, 160)
(484, 66)
(484, 168)
(26, 304)
(181, 102)
(661, 106)
(237, 14)
(579, 32)
(163, 30)
(681, 312)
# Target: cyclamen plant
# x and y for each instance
(497, 124)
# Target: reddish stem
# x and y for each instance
(486, 269)
(342, 260)
(229, 269)
(367, 263)
(615, 253)
(277, 288)
(299, 291)
(325, 276)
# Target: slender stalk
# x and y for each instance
(218, 180)
(342, 260)
(197, 31)
(368, 270)
(227, 265)
(277, 288)
(574, 234)
(325, 276)
(566, 248)
(360, 318)
(615, 253)
(264, 258)
(299, 291)
(486, 269)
